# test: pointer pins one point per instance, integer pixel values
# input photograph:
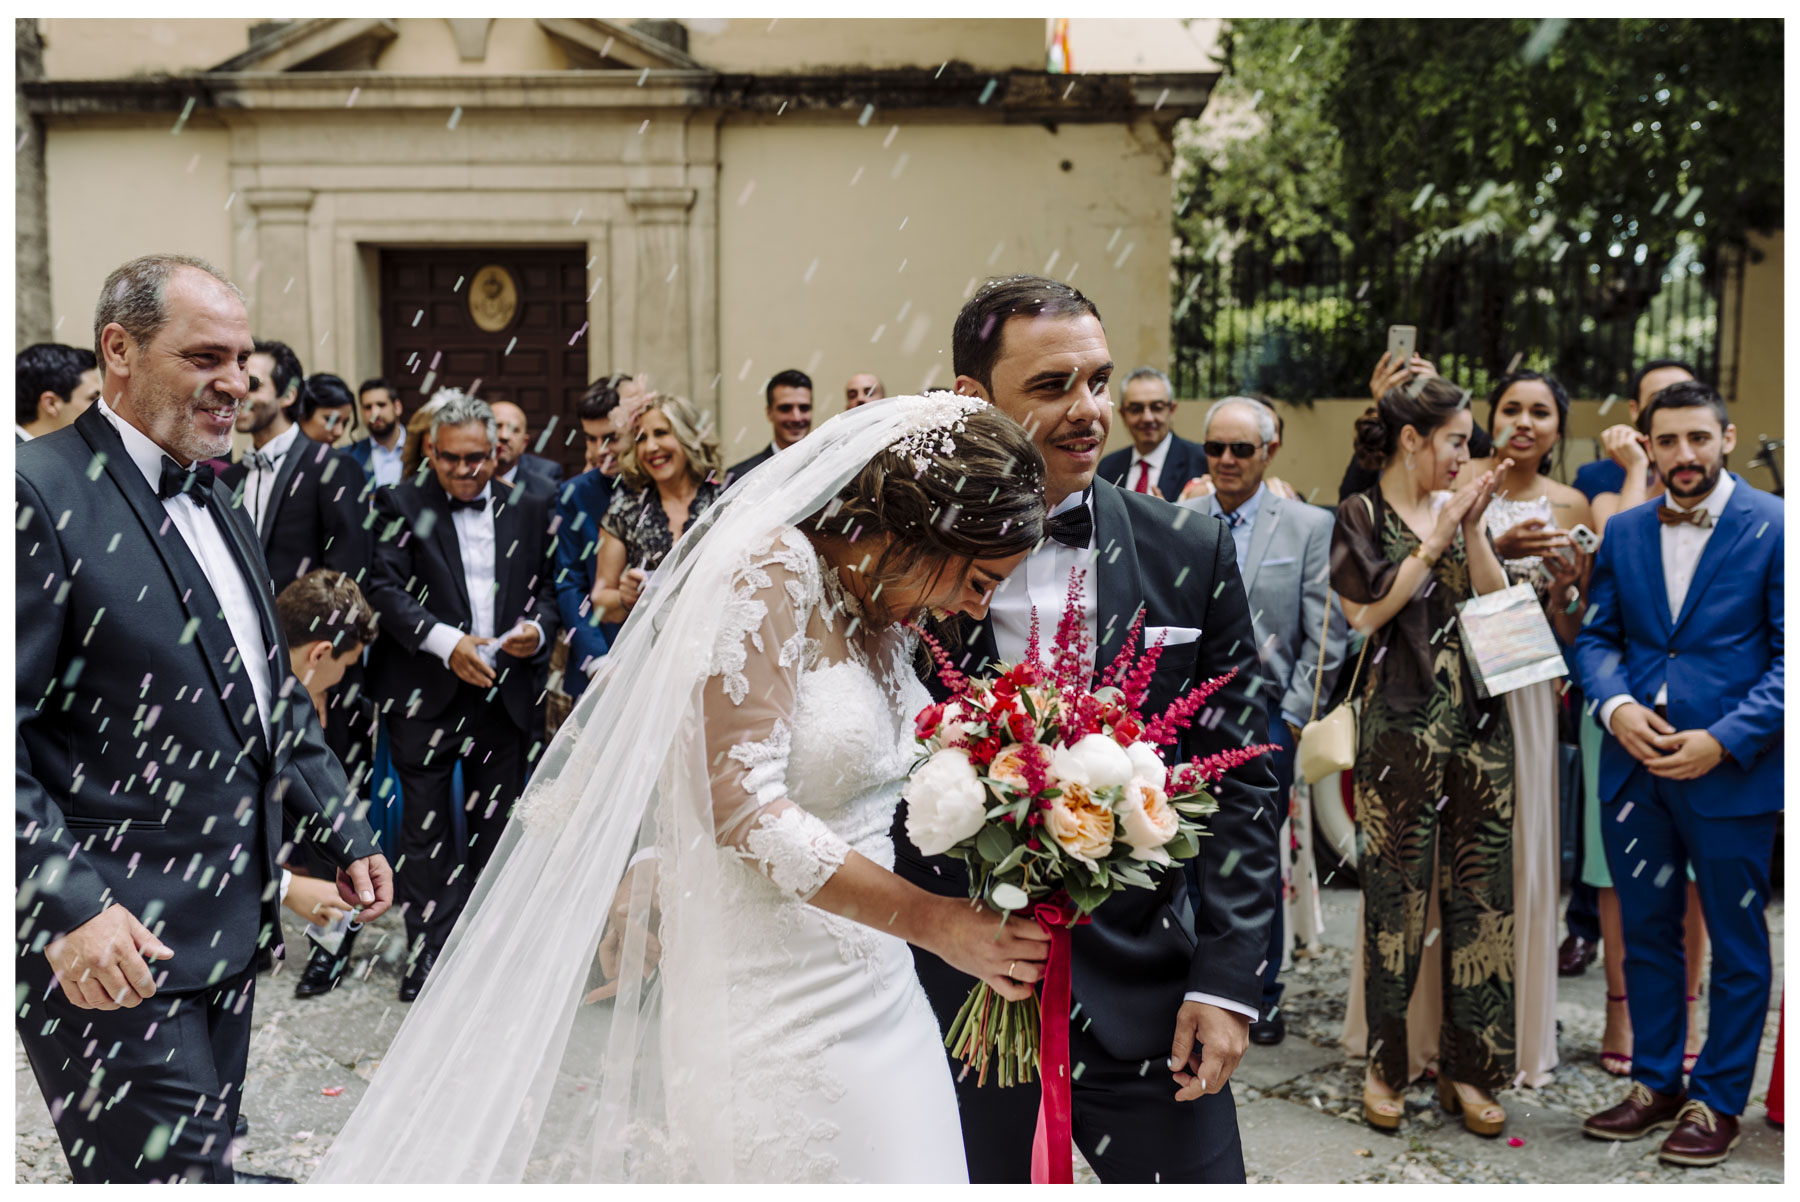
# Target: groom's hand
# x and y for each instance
(368, 883)
(1209, 1042)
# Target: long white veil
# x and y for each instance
(500, 1072)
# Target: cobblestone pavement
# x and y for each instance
(1298, 1102)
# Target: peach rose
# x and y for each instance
(1149, 821)
(1008, 766)
(1080, 825)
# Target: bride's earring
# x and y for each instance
(1409, 461)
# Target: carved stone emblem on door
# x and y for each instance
(493, 298)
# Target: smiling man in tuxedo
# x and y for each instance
(1168, 980)
(463, 582)
(157, 752)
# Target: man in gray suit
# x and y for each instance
(1284, 554)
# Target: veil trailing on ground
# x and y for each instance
(503, 1071)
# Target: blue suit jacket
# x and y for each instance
(580, 504)
(1602, 475)
(364, 456)
(1721, 658)
(1185, 461)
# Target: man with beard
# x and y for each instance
(156, 760)
(304, 498)
(515, 467)
(1690, 684)
(1159, 461)
(1167, 980)
(379, 454)
(788, 404)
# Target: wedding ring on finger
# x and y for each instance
(1010, 965)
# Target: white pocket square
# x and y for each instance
(1275, 563)
(1170, 636)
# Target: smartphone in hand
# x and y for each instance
(1403, 341)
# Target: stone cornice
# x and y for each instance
(1009, 97)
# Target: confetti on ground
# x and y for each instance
(1515, 1142)
(332, 1091)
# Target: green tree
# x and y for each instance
(1374, 134)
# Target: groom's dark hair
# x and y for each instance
(975, 339)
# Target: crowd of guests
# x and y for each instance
(445, 596)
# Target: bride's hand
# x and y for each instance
(612, 940)
(1008, 953)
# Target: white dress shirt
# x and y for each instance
(203, 537)
(384, 465)
(259, 483)
(1042, 583)
(1156, 458)
(475, 536)
(24, 434)
(1681, 549)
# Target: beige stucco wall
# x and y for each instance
(788, 44)
(1758, 346)
(105, 48)
(126, 189)
(1142, 44)
(425, 47)
(845, 250)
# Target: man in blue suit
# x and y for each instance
(580, 505)
(1158, 461)
(1689, 678)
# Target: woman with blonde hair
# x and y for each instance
(668, 476)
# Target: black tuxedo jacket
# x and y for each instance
(1143, 951)
(143, 773)
(1185, 461)
(317, 513)
(417, 582)
(547, 472)
(737, 471)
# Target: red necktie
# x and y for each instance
(1143, 480)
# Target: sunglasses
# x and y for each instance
(1242, 450)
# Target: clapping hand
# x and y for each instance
(1531, 537)
(1479, 496)
(1199, 486)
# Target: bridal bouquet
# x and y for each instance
(1054, 794)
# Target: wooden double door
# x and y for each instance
(507, 323)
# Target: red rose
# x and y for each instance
(1128, 730)
(1019, 726)
(1005, 688)
(928, 721)
(983, 753)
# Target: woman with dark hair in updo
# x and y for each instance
(1431, 756)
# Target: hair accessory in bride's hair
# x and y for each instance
(928, 424)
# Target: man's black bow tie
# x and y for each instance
(197, 484)
(455, 504)
(1074, 527)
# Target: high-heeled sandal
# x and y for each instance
(1617, 1064)
(1688, 1059)
(1483, 1124)
(1382, 1113)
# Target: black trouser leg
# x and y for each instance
(1132, 1130)
(148, 1094)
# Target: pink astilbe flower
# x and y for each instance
(1167, 726)
(1210, 769)
(1036, 771)
(1115, 674)
(953, 679)
(1034, 647)
(1137, 683)
(1069, 653)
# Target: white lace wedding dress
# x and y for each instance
(746, 733)
(840, 1068)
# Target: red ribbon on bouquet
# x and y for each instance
(1056, 1112)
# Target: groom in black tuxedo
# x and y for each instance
(464, 582)
(158, 751)
(1166, 982)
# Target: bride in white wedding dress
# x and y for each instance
(714, 818)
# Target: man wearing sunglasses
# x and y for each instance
(1159, 460)
(1284, 554)
(465, 583)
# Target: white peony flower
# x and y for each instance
(953, 728)
(945, 803)
(1065, 765)
(1147, 820)
(1147, 764)
(1105, 763)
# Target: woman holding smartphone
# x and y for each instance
(668, 468)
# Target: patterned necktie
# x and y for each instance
(1234, 519)
(1699, 516)
(1143, 480)
(175, 479)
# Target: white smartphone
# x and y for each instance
(1402, 342)
(1585, 539)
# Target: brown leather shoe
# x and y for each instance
(1574, 956)
(1702, 1136)
(1643, 1111)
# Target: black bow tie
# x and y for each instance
(197, 484)
(455, 504)
(1074, 527)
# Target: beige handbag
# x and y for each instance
(1328, 744)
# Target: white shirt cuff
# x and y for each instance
(287, 879)
(442, 641)
(1208, 999)
(1296, 723)
(1609, 707)
(533, 623)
